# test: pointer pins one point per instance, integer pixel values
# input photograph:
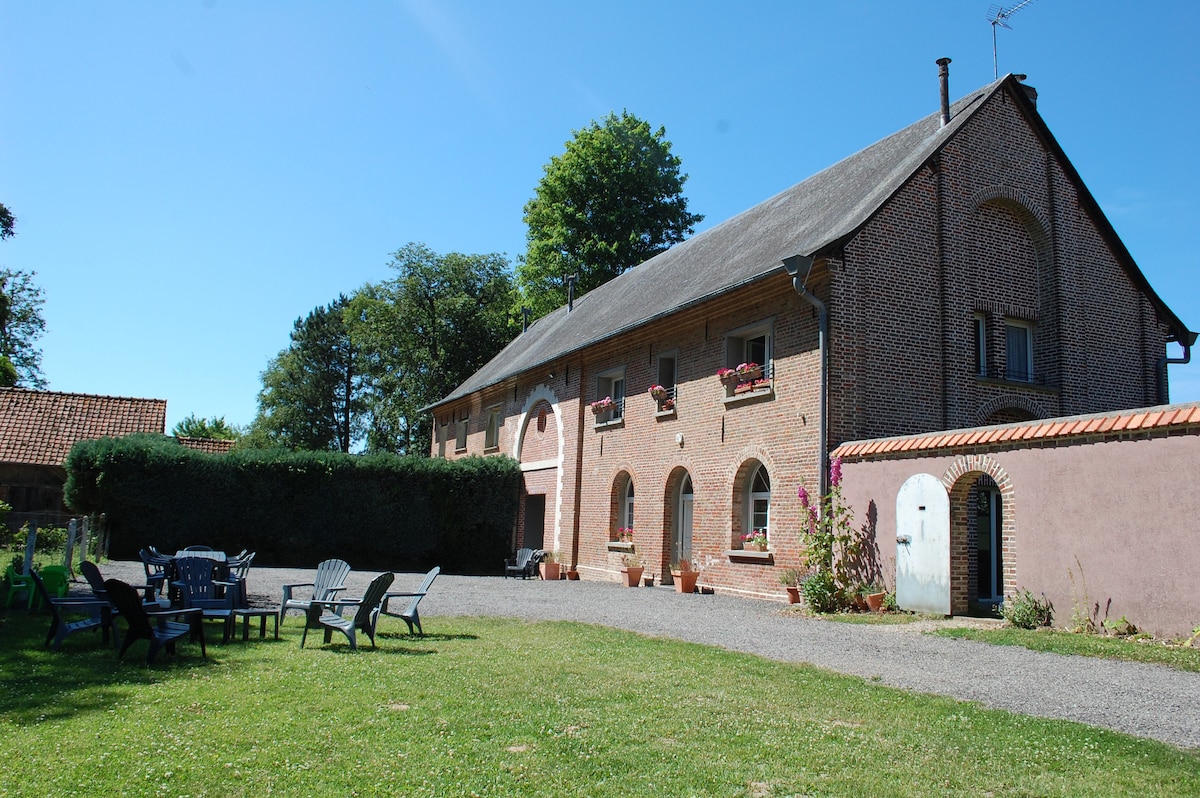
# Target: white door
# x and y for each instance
(923, 545)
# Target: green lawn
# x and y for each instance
(1186, 658)
(498, 708)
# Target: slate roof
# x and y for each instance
(1164, 419)
(811, 218)
(39, 427)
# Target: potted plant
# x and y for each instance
(874, 596)
(602, 406)
(572, 573)
(790, 579)
(632, 570)
(755, 540)
(549, 567)
(684, 576)
(668, 404)
(625, 535)
(727, 376)
(658, 393)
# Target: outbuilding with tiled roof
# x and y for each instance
(38, 429)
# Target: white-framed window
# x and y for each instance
(491, 435)
(1018, 350)
(610, 388)
(460, 435)
(758, 502)
(751, 346)
(667, 371)
(981, 358)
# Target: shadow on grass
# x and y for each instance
(82, 677)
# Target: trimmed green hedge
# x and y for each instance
(298, 508)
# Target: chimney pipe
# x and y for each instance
(944, 80)
(571, 292)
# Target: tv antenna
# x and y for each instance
(998, 16)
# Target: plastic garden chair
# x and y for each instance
(20, 586)
(57, 582)
(409, 614)
(364, 619)
(329, 581)
(152, 625)
(60, 627)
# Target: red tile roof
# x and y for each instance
(1139, 422)
(210, 445)
(39, 427)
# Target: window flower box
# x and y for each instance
(602, 406)
(755, 541)
(748, 372)
(659, 393)
(743, 387)
(728, 376)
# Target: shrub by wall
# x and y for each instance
(298, 508)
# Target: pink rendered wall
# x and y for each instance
(1124, 513)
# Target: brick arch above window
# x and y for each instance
(1030, 213)
(1022, 403)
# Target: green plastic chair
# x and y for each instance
(19, 586)
(57, 582)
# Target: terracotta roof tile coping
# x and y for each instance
(1117, 421)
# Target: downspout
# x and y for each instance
(794, 264)
(1160, 365)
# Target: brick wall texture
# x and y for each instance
(992, 226)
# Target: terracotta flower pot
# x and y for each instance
(793, 594)
(685, 581)
(572, 575)
(875, 601)
(748, 546)
(632, 576)
(550, 570)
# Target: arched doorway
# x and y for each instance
(982, 533)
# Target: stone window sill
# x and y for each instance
(661, 414)
(613, 424)
(738, 398)
(624, 546)
(759, 557)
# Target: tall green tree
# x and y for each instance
(8, 223)
(423, 333)
(611, 201)
(21, 325)
(215, 427)
(312, 396)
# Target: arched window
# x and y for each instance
(758, 503)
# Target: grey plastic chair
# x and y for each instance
(60, 627)
(139, 626)
(410, 615)
(523, 564)
(329, 581)
(364, 619)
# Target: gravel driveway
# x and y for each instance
(1144, 700)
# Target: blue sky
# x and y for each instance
(191, 177)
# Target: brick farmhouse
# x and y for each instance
(956, 274)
